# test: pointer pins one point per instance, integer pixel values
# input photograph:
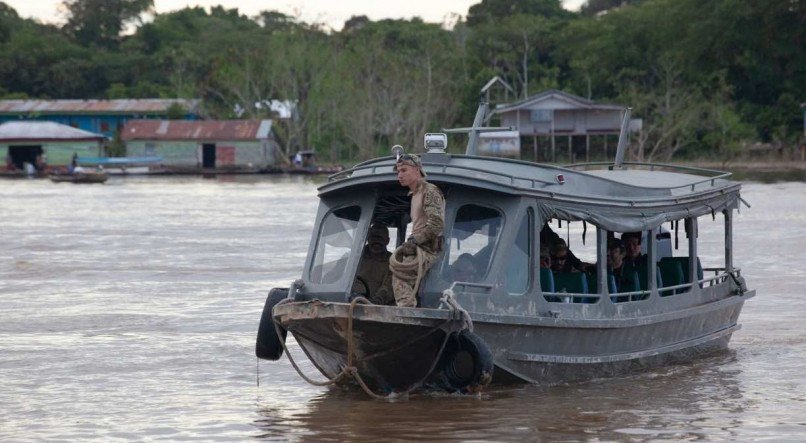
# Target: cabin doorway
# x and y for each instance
(208, 155)
(19, 155)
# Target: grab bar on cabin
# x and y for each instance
(533, 181)
(511, 178)
(717, 173)
(487, 288)
(712, 178)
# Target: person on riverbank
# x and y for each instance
(411, 260)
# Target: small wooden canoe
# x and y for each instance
(81, 177)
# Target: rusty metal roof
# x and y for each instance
(196, 130)
(123, 106)
(43, 131)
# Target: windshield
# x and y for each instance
(472, 241)
(335, 244)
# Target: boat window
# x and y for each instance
(335, 244)
(627, 270)
(518, 258)
(568, 256)
(711, 247)
(471, 243)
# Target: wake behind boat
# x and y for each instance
(492, 304)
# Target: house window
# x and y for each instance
(540, 115)
(151, 149)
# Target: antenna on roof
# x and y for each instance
(477, 128)
(623, 139)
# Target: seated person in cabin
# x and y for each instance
(545, 256)
(615, 256)
(615, 264)
(548, 237)
(464, 269)
(560, 257)
(373, 270)
(632, 246)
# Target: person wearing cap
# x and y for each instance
(412, 259)
(373, 269)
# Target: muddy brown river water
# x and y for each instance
(129, 312)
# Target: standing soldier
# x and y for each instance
(412, 259)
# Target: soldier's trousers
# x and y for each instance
(406, 271)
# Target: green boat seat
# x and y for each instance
(672, 275)
(684, 263)
(573, 282)
(593, 284)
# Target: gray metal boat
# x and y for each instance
(530, 323)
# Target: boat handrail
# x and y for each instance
(532, 182)
(718, 278)
(510, 177)
(634, 295)
(718, 175)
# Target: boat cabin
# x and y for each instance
(501, 213)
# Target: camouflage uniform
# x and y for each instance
(428, 219)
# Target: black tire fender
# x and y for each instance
(268, 345)
(467, 363)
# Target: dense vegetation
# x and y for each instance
(707, 77)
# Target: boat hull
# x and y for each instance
(550, 354)
(394, 349)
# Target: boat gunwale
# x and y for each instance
(364, 313)
(607, 323)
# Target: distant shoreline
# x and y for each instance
(743, 165)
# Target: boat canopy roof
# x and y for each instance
(638, 196)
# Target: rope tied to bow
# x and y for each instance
(350, 370)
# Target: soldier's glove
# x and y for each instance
(409, 247)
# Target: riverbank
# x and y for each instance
(761, 171)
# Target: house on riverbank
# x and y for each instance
(105, 117)
(45, 143)
(191, 146)
(542, 119)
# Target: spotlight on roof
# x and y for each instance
(436, 142)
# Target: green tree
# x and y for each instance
(493, 11)
(100, 22)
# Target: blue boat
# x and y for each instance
(124, 165)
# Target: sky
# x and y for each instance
(330, 12)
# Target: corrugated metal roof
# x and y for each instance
(39, 131)
(196, 130)
(123, 106)
(573, 100)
